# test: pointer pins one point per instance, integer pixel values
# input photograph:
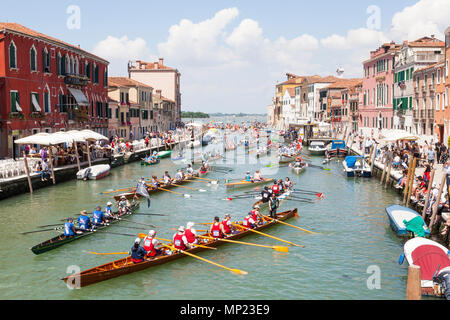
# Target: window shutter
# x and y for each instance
(12, 56)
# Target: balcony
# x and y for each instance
(422, 114)
(76, 80)
(427, 58)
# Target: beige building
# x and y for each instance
(165, 111)
(163, 78)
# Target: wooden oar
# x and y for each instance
(237, 271)
(287, 224)
(51, 225)
(263, 234)
(150, 214)
(212, 181)
(139, 223)
(318, 167)
(108, 254)
(276, 248)
(143, 235)
(180, 194)
(179, 186)
(118, 190)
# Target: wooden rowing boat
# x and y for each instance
(287, 159)
(151, 190)
(62, 239)
(126, 266)
(244, 183)
(298, 170)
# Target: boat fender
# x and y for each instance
(401, 259)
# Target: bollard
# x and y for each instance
(413, 287)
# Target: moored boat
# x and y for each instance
(434, 262)
(243, 183)
(164, 154)
(62, 239)
(317, 148)
(94, 173)
(145, 163)
(356, 166)
(398, 215)
(126, 266)
(338, 149)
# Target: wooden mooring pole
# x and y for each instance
(388, 175)
(413, 287)
(405, 191)
(438, 200)
(427, 198)
(27, 170)
(411, 184)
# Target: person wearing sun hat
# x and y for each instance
(84, 222)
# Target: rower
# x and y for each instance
(191, 233)
(281, 186)
(256, 215)
(226, 223)
(204, 168)
(180, 241)
(167, 179)
(108, 211)
(257, 176)
(155, 182)
(124, 205)
(217, 231)
(265, 195)
(137, 252)
(287, 184)
(179, 176)
(248, 177)
(150, 244)
(189, 170)
(276, 189)
(249, 222)
(84, 223)
(69, 229)
(98, 217)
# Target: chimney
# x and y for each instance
(161, 61)
(432, 36)
(156, 65)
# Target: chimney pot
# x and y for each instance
(156, 65)
(161, 61)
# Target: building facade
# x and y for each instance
(163, 78)
(47, 85)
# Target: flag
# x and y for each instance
(141, 190)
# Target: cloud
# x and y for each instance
(426, 17)
(355, 39)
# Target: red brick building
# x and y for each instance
(47, 85)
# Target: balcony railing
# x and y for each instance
(76, 80)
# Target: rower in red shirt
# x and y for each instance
(150, 244)
(226, 223)
(249, 222)
(276, 189)
(217, 230)
(179, 240)
(190, 233)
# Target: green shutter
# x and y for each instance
(12, 56)
(13, 102)
(410, 103)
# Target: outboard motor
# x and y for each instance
(86, 173)
(443, 279)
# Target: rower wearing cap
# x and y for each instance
(69, 229)
(204, 168)
(217, 230)
(108, 211)
(249, 222)
(226, 223)
(179, 240)
(124, 205)
(137, 252)
(150, 244)
(191, 233)
(255, 213)
(84, 223)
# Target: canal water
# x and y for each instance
(354, 246)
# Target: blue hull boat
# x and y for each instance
(398, 215)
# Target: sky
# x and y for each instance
(231, 54)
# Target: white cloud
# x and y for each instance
(355, 39)
(424, 18)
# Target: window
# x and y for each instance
(12, 56)
(46, 101)
(15, 102)
(438, 102)
(33, 59)
(105, 78)
(96, 73)
(36, 96)
(88, 70)
(438, 76)
(45, 61)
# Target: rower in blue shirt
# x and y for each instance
(97, 216)
(138, 253)
(84, 223)
(109, 214)
(248, 177)
(69, 229)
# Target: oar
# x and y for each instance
(276, 248)
(287, 224)
(237, 271)
(199, 190)
(124, 227)
(318, 167)
(107, 254)
(263, 234)
(180, 194)
(50, 225)
(238, 198)
(139, 223)
(118, 190)
(303, 190)
(210, 180)
(276, 165)
(45, 230)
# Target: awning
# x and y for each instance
(35, 103)
(18, 108)
(79, 97)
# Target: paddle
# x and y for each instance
(276, 248)
(139, 223)
(237, 271)
(287, 224)
(266, 235)
(177, 193)
(107, 254)
(118, 190)
(45, 230)
(143, 235)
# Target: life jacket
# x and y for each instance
(215, 231)
(178, 242)
(189, 236)
(226, 227)
(149, 246)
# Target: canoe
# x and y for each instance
(94, 172)
(397, 214)
(126, 266)
(433, 260)
(145, 163)
(164, 154)
(130, 195)
(244, 184)
(62, 239)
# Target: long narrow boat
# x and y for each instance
(287, 159)
(62, 239)
(151, 190)
(244, 183)
(126, 266)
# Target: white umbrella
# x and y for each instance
(40, 138)
(91, 135)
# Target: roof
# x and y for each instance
(327, 79)
(125, 82)
(15, 27)
(426, 42)
(345, 83)
(432, 66)
(151, 65)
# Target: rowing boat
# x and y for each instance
(297, 170)
(62, 239)
(244, 183)
(126, 266)
(164, 154)
(287, 159)
(151, 190)
(145, 163)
